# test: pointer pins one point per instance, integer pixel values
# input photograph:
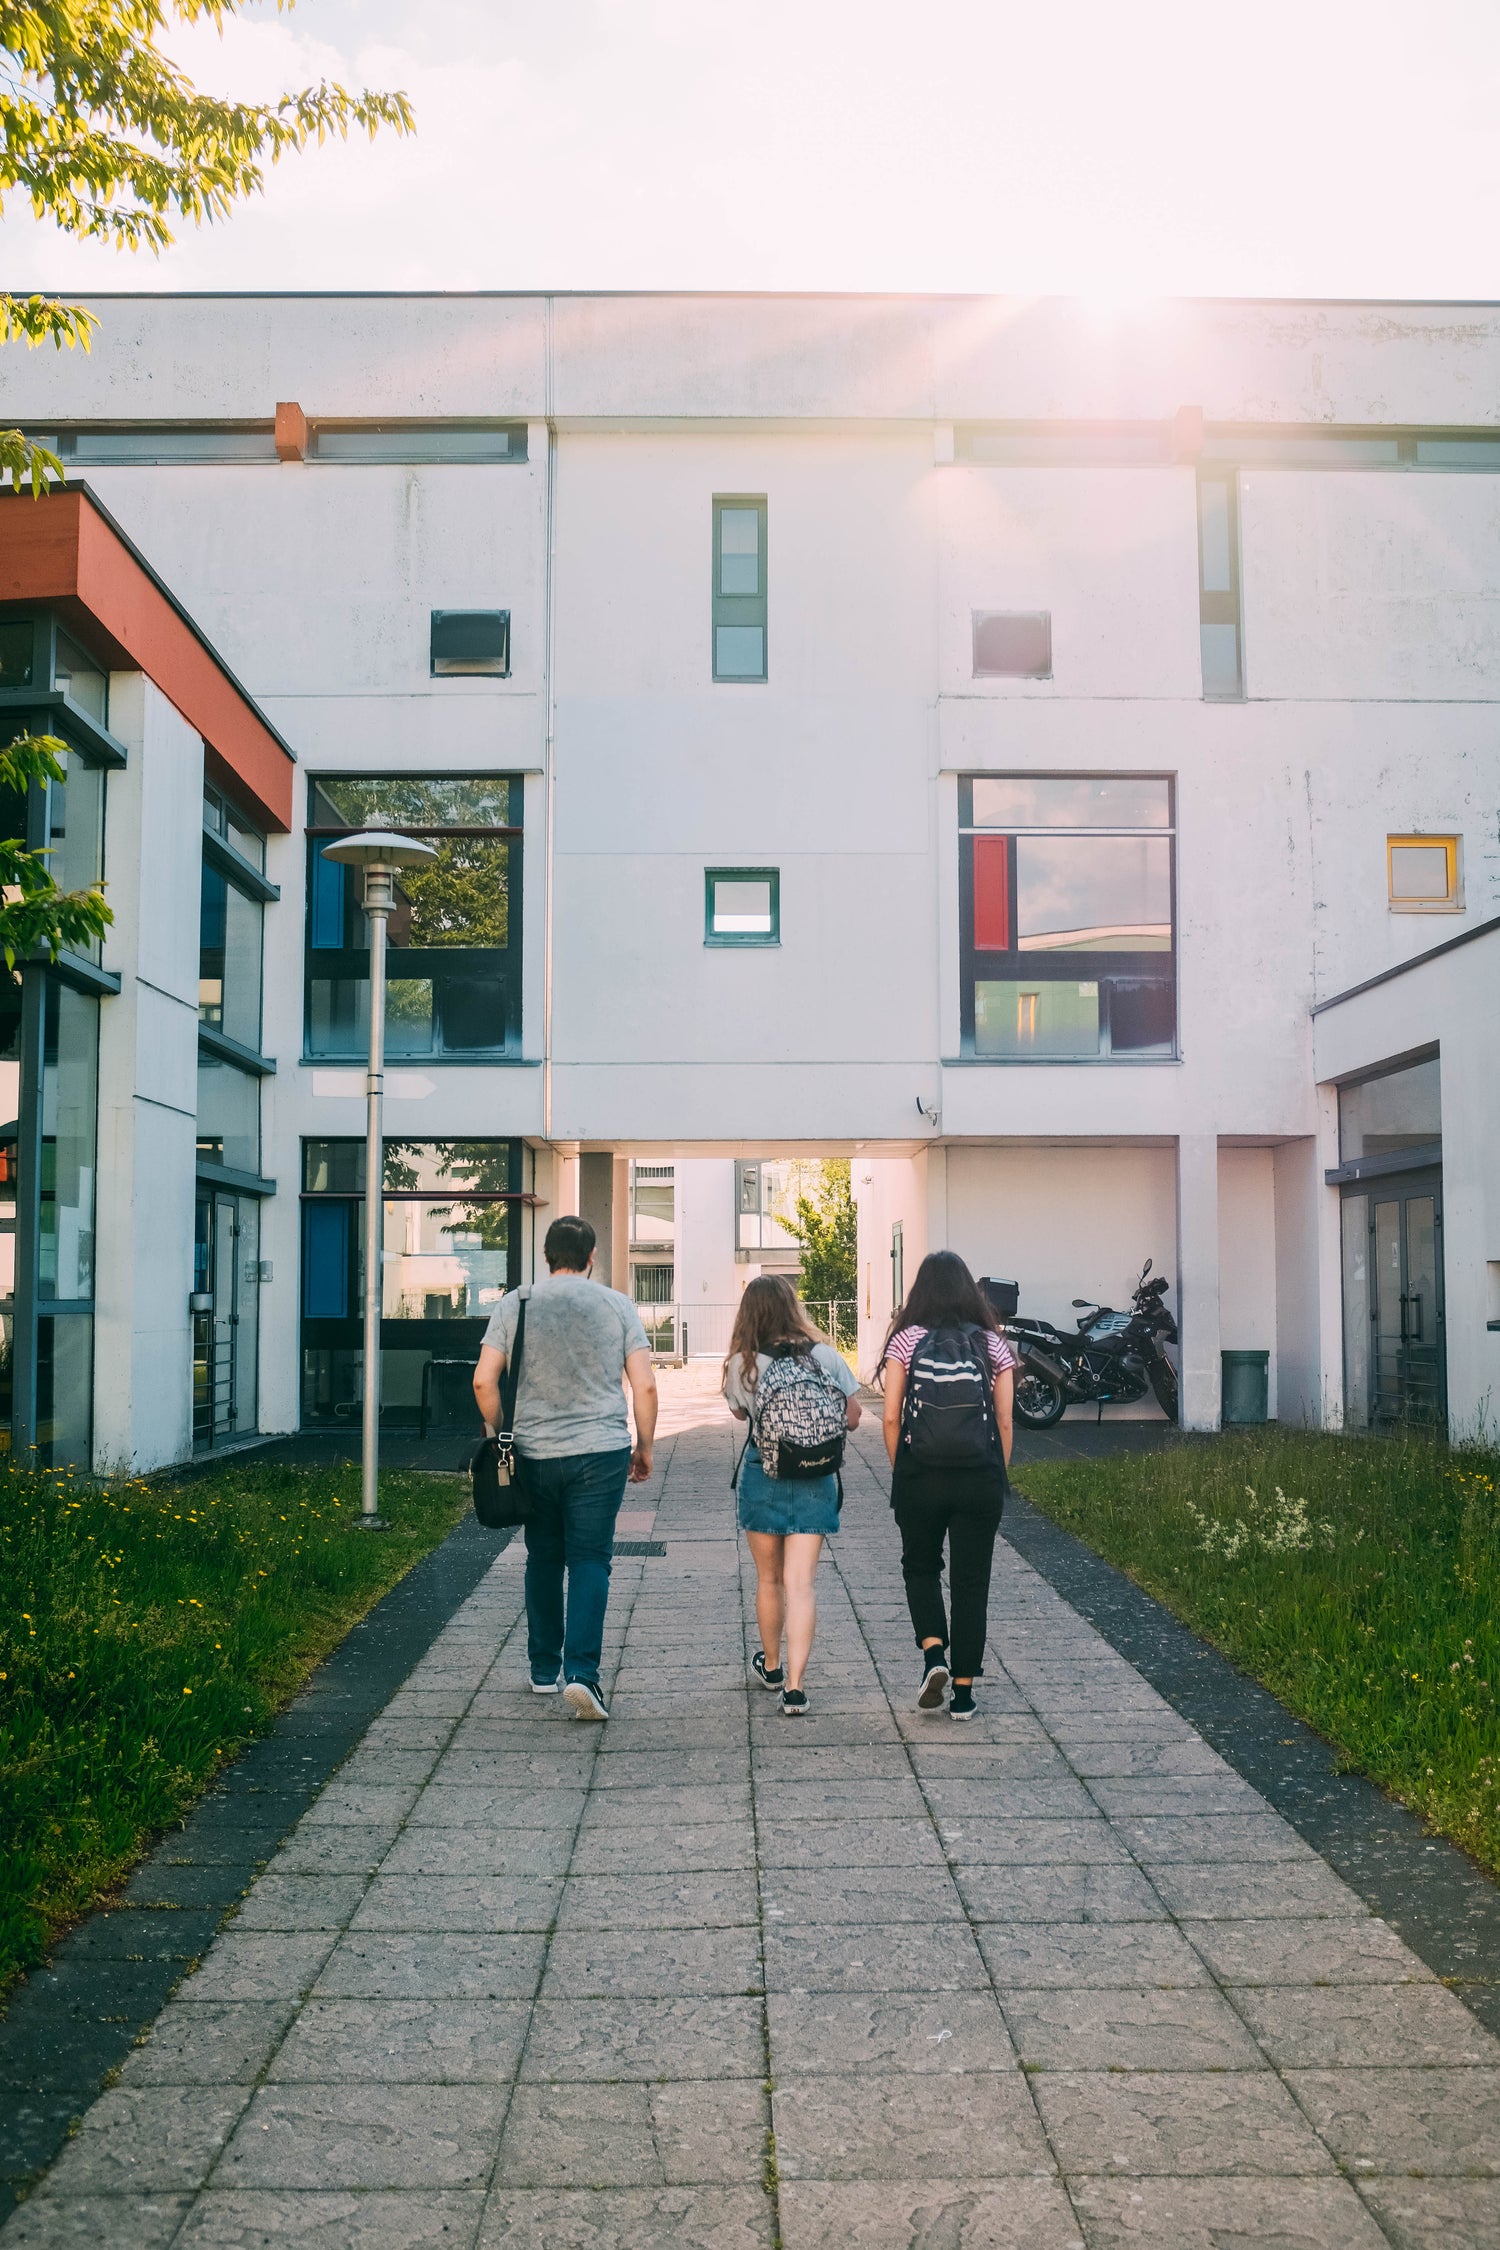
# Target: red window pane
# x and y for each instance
(992, 893)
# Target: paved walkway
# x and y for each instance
(708, 1977)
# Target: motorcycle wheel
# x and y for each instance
(1164, 1384)
(1039, 1399)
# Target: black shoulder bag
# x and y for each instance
(499, 1490)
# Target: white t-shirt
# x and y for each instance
(833, 1364)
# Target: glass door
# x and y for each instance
(1404, 1371)
(226, 1317)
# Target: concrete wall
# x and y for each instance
(1453, 1001)
(148, 1089)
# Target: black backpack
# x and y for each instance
(948, 1413)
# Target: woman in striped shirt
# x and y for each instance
(959, 1504)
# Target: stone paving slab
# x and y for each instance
(1060, 1980)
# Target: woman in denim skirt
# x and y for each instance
(785, 1520)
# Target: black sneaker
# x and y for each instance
(935, 1677)
(584, 1700)
(793, 1703)
(961, 1703)
(763, 1672)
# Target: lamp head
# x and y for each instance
(378, 847)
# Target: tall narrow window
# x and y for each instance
(1220, 626)
(739, 619)
(1068, 941)
(454, 966)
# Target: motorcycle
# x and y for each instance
(1114, 1357)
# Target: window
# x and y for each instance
(229, 959)
(653, 1206)
(1391, 1114)
(1012, 644)
(163, 447)
(75, 828)
(232, 899)
(1220, 629)
(739, 621)
(470, 640)
(1068, 943)
(82, 680)
(742, 906)
(418, 441)
(222, 821)
(454, 959)
(228, 1116)
(1423, 874)
(451, 1250)
(766, 1192)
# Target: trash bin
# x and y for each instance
(1247, 1387)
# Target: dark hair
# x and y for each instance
(770, 1313)
(943, 1295)
(569, 1245)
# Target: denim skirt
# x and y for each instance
(785, 1505)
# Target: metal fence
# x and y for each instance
(685, 1330)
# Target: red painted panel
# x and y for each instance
(992, 893)
(61, 549)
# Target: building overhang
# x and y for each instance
(67, 550)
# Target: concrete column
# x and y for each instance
(619, 1226)
(1198, 1278)
(148, 1075)
(596, 1201)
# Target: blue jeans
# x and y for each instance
(570, 1526)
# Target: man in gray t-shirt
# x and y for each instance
(582, 1343)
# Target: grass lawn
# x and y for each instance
(147, 1632)
(1357, 1577)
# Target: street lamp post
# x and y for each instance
(380, 854)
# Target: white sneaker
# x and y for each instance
(584, 1701)
(544, 1687)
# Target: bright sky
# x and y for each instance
(1341, 148)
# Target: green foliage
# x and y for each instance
(460, 898)
(149, 1630)
(825, 1225)
(35, 915)
(103, 134)
(1355, 1576)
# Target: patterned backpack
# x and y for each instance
(798, 1418)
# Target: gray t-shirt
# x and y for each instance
(833, 1364)
(578, 1335)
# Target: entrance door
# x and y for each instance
(225, 1329)
(1397, 1295)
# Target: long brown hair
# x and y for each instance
(770, 1314)
(943, 1295)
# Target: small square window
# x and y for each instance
(1012, 644)
(471, 641)
(1423, 874)
(742, 906)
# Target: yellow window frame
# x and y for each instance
(1402, 902)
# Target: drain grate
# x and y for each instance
(639, 1547)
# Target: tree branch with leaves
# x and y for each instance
(36, 914)
(102, 133)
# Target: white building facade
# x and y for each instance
(967, 736)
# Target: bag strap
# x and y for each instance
(510, 1381)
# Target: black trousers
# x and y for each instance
(961, 1506)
